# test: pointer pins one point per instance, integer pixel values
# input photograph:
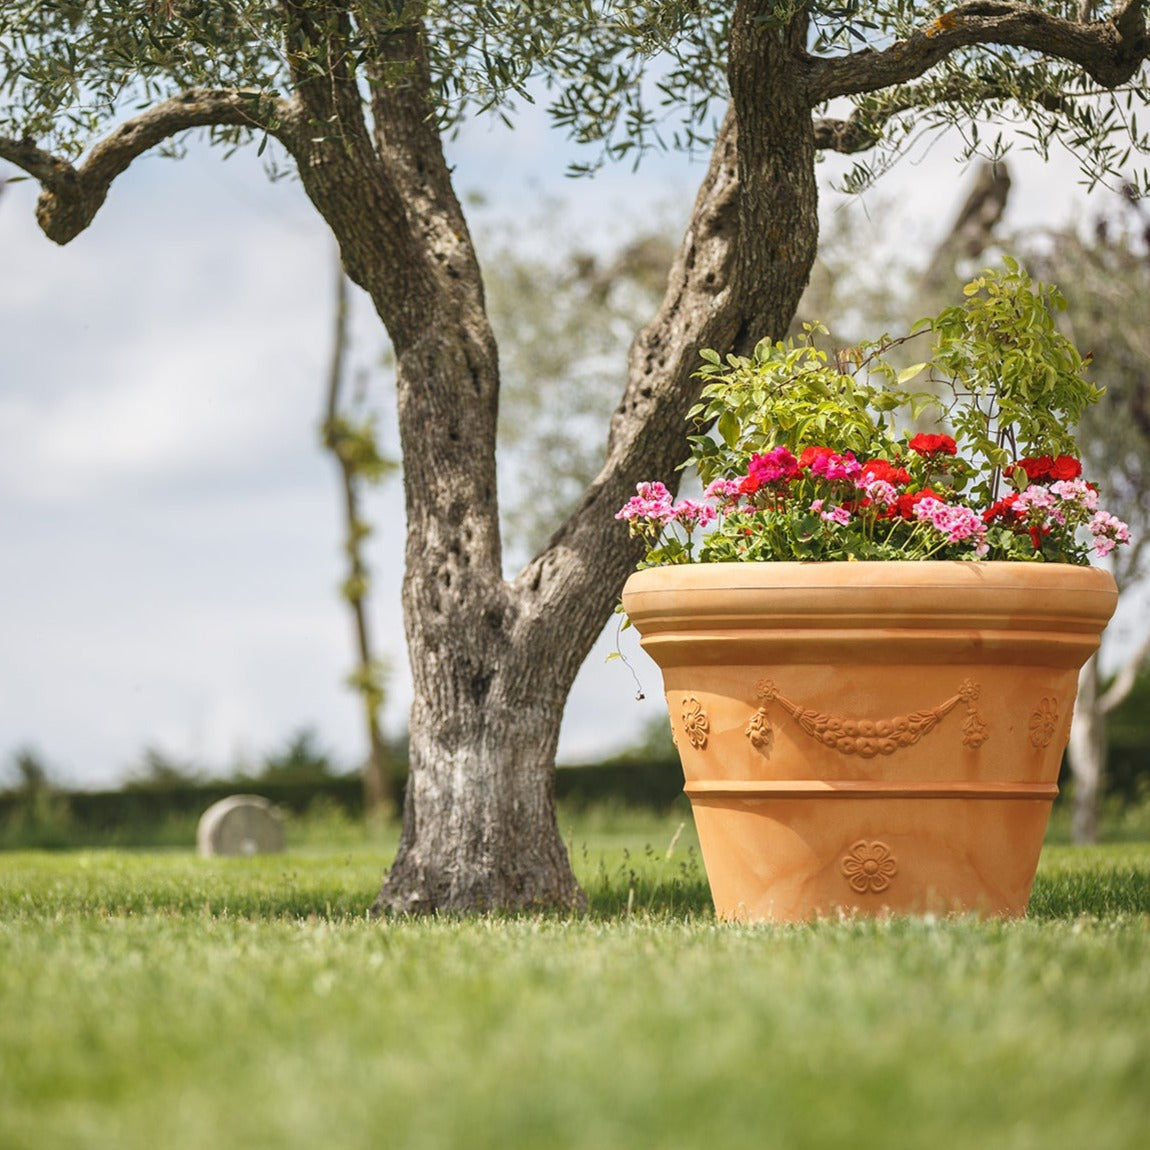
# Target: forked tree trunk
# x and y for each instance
(493, 661)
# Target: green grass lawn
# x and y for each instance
(156, 1000)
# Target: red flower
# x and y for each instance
(933, 445)
(810, 454)
(887, 472)
(1003, 509)
(1047, 469)
(903, 507)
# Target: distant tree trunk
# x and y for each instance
(1088, 741)
(1087, 753)
(378, 772)
(973, 229)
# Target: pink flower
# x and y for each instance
(691, 513)
(1076, 491)
(653, 502)
(1037, 497)
(838, 515)
(725, 491)
(956, 522)
(879, 491)
(1108, 531)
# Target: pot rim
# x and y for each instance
(815, 574)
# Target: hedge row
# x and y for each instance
(650, 785)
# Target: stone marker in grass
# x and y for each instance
(240, 825)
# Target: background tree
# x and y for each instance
(358, 94)
(564, 316)
(1106, 281)
(1104, 273)
(350, 435)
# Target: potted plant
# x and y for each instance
(870, 625)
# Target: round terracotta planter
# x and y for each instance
(870, 737)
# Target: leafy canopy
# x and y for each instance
(620, 76)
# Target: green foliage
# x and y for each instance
(355, 443)
(621, 76)
(271, 1013)
(159, 770)
(36, 814)
(564, 318)
(370, 683)
(802, 458)
(1105, 275)
(1018, 383)
(301, 759)
(791, 394)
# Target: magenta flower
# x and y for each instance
(772, 467)
(834, 467)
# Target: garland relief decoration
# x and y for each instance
(865, 737)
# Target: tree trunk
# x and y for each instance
(493, 661)
(1087, 754)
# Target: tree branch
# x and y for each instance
(863, 128)
(73, 195)
(647, 432)
(1110, 51)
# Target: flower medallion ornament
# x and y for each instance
(1043, 723)
(695, 723)
(869, 867)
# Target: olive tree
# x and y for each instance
(358, 95)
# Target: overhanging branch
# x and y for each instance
(863, 128)
(1110, 51)
(72, 195)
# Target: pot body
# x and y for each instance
(870, 737)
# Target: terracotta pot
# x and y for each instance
(870, 737)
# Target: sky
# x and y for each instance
(170, 552)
